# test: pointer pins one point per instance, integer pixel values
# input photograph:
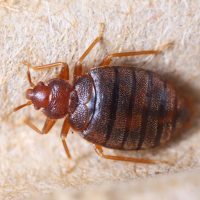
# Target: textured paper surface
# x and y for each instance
(48, 31)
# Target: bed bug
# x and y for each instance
(124, 108)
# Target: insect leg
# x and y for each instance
(64, 132)
(46, 128)
(99, 151)
(78, 70)
(64, 74)
(106, 61)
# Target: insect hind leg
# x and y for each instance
(99, 151)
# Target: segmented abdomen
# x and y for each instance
(134, 109)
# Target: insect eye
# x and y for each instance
(29, 93)
(40, 83)
(36, 107)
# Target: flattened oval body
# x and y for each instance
(127, 108)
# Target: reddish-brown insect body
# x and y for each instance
(53, 97)
(123, 108)
(126, 108)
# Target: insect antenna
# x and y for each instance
(22, 106)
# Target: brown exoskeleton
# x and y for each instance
(123, 108)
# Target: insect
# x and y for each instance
(124, 108)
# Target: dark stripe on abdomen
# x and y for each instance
(140, 90)
(113, 105)
(146, 110)
(174, 114)
(161, 115)
(130, 109)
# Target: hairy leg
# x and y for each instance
(78, 70)
(64, 74)
(49, 123)
(64, 132)
(106, 61)
(99, 151)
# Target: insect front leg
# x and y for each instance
(64, 74)
(78, 70)
(49, 123)
(64, 132)
(99, 151)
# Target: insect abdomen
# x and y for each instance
(134, 109)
